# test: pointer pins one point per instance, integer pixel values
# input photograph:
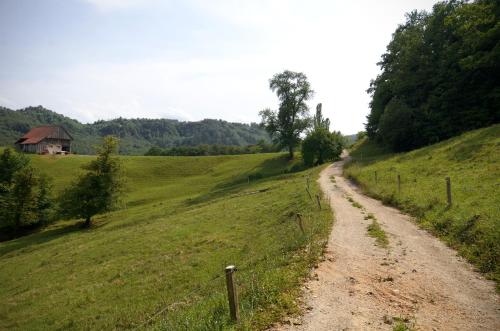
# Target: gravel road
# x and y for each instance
(417, 278)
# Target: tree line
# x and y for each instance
(439, 76)
(205, 150)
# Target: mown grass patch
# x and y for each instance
(159, 262)
(472, 161)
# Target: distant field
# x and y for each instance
(472, 161)
(158, 263)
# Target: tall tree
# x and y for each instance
(99, 189)
(319, 121)
(287, 123)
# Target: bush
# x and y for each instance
(25, 195)
(321, 145)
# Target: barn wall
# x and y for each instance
(59, 133)
(52, 145)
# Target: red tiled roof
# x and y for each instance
(35, 135)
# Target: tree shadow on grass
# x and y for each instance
(38, 238)
(277, 168)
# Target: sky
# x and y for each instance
(192, 59)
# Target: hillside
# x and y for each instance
(471, 161)
(159, 261)
(136, 135)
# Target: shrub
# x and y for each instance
(25, 195)
(321, 145)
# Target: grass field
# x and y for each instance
(158, 263)
(472, 161)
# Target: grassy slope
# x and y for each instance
(186, 218)
(472, 161)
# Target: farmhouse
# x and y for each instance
(49, 139)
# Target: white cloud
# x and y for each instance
(111, 5)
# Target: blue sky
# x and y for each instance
(191, 59)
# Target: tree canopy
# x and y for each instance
(25, 194)
(98, 190)
(439, 76)
(319, 121)
(287, 123)
(321, 145)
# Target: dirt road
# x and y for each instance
(361, 286)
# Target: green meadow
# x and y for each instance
(158, 262)
(472, 161)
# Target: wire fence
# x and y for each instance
(250, 273)
(433, 188)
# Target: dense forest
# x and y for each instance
(440, 76)
(137, 136)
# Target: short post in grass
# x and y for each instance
(448, 190)
(232, 294)
(399, 183)
(301, 226)
(319, 201)
(307, 182)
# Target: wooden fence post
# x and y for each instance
(319, 202)
(232, 294)
(308, 182)
(399, 183)
(448, 190)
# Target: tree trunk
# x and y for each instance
(290, 152)
(87, 222)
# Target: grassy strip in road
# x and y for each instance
(376, 231)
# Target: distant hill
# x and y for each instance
(137, 135)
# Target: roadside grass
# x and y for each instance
(158, 263)
(472, 161)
